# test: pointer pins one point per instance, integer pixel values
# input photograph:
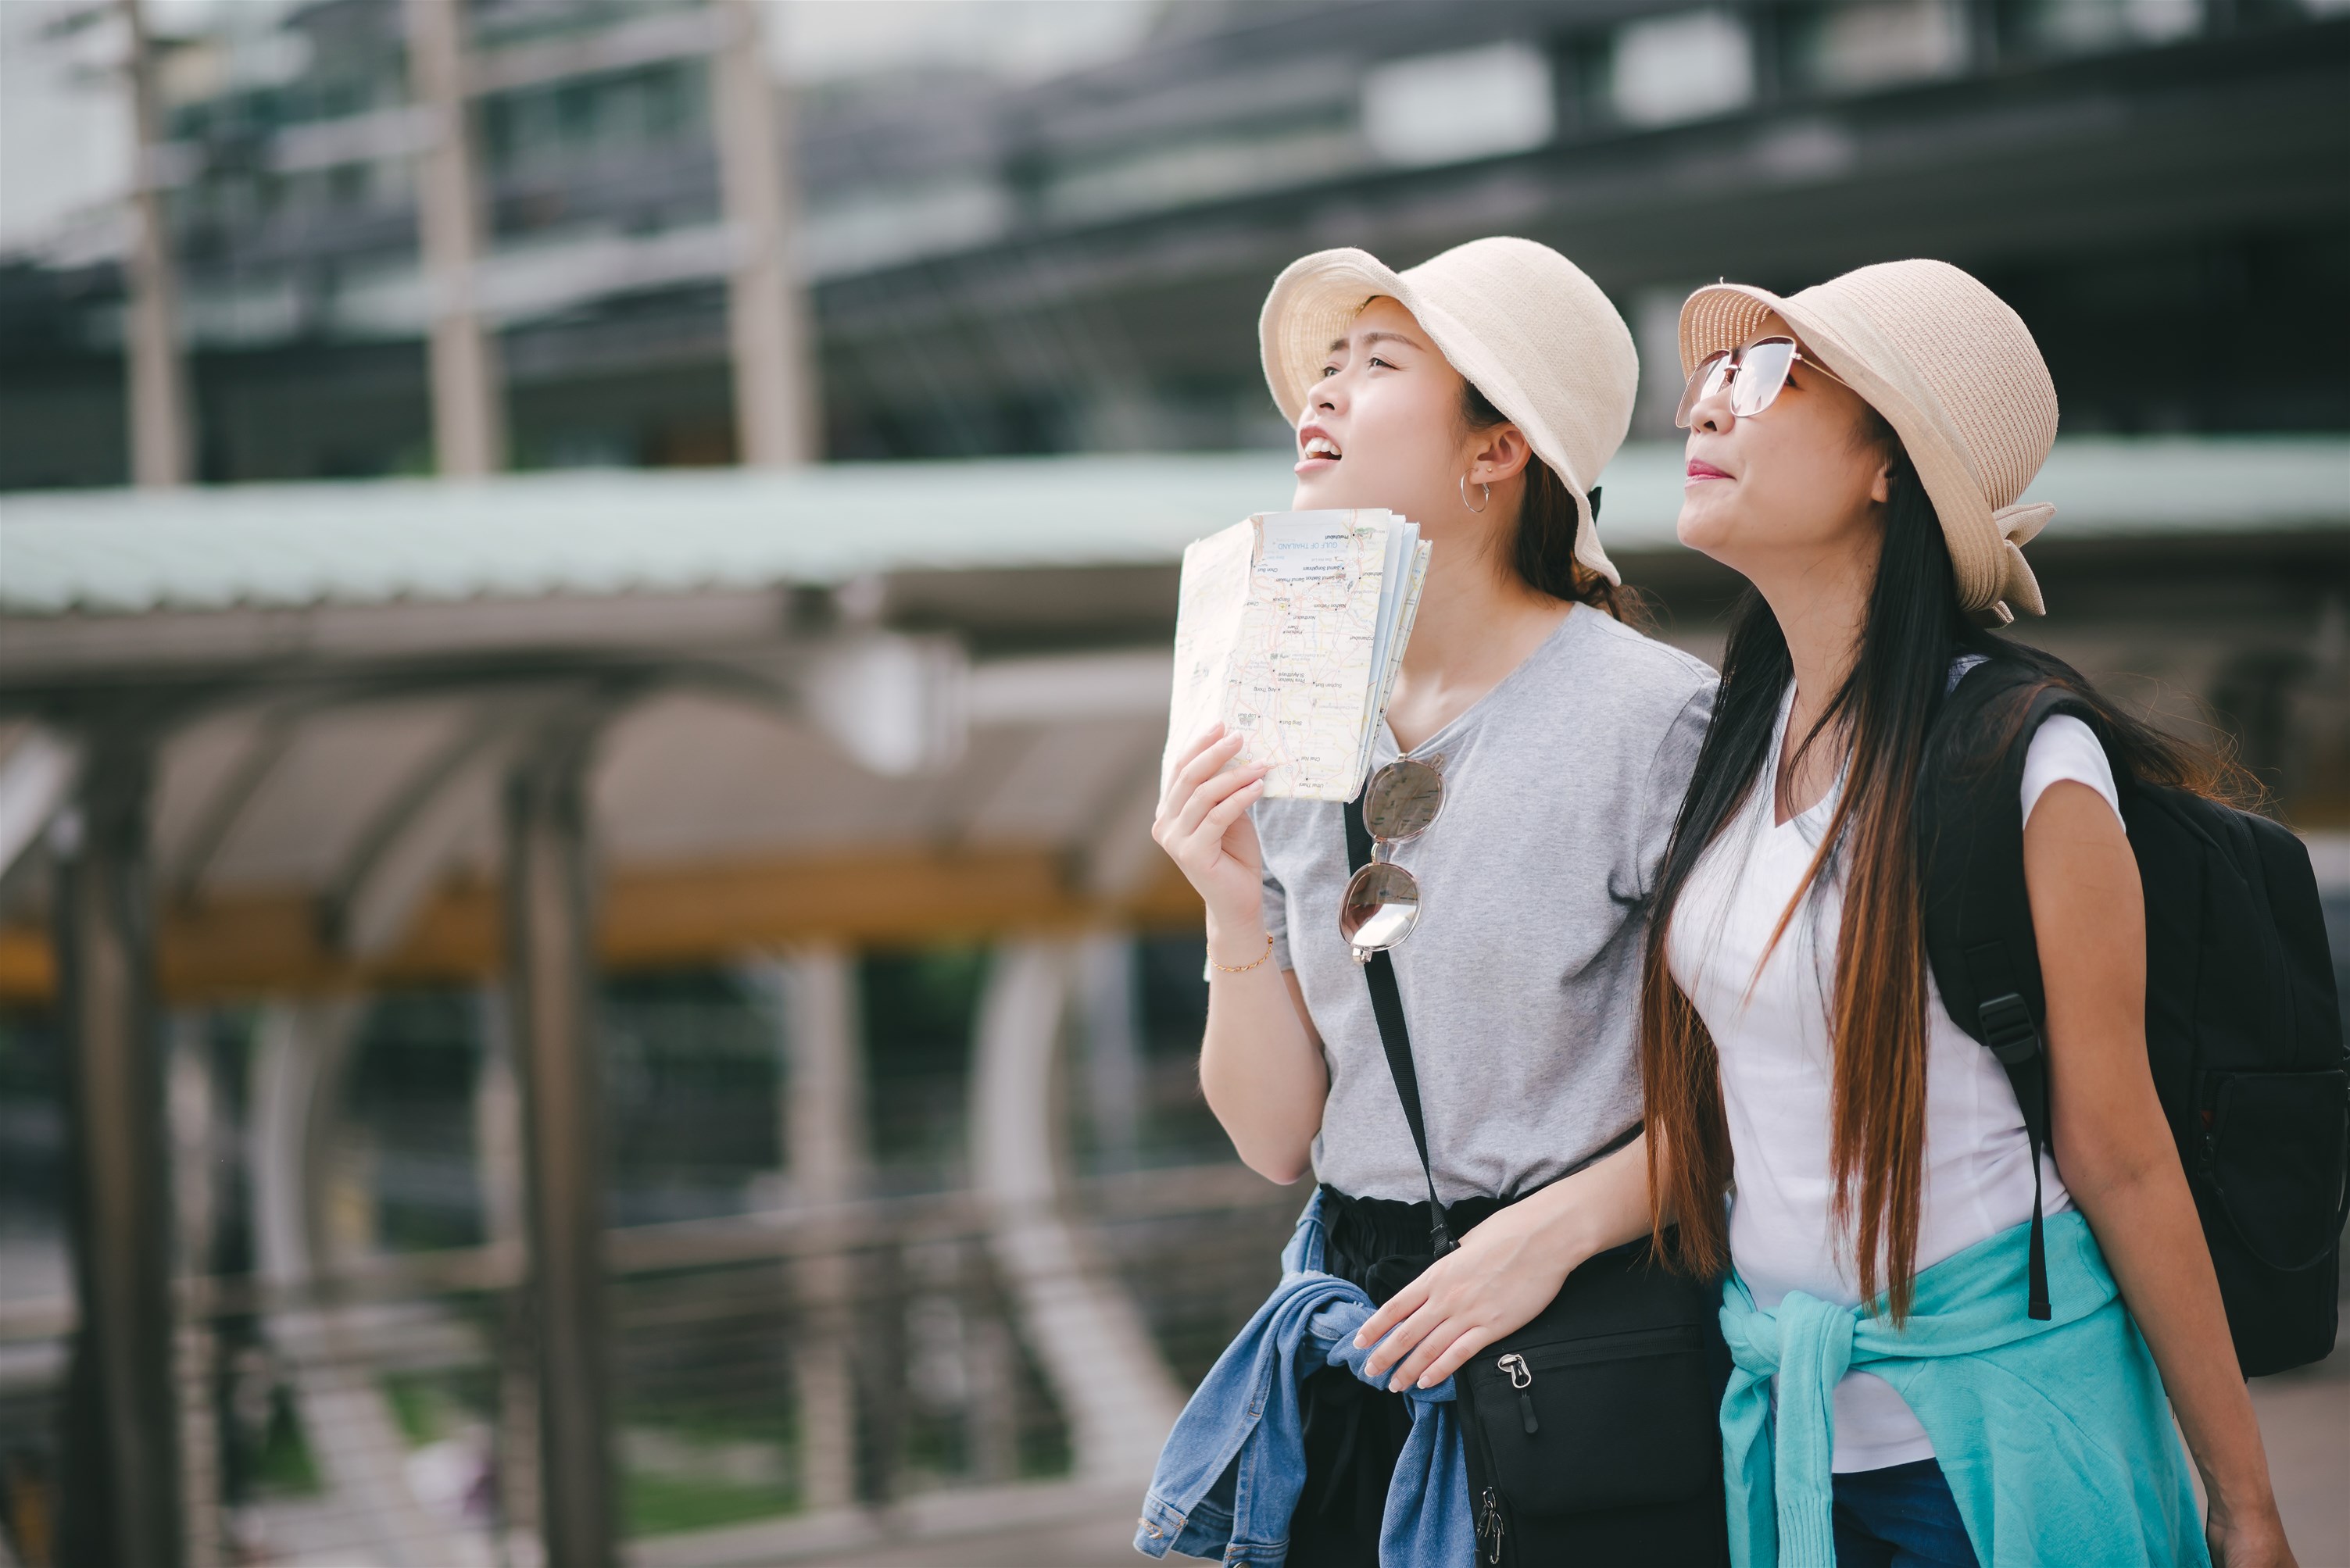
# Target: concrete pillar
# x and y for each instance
(815, 1004)
(1096, 1353)
(1109, 1010)
(160, 433)
(993, 1363)
(195, 1149)
(824, 1042)
(498, 1144)
(469, 426)
(296, 1063)
(121, 1460)
(551, 988)
(776, 415)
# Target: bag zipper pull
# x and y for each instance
(1488, 1523)
(1521, 1378)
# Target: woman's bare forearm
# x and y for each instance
(1260, 1066)
(1260, 1063)
(2146, 1225)
(2114, 1148)
(1603, 1205)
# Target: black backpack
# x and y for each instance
(2242, 1027)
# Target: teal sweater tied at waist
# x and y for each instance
(2055, 1437)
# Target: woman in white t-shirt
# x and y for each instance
(1857, 452)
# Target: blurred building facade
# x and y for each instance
(1073, 265)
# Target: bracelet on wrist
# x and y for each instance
(1242, 968)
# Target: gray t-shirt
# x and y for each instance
(1522, 983)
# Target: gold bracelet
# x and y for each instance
(1243, 968)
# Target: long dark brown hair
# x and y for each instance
(1882, 716)
(1542, 550)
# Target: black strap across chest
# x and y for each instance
(1386, 1007)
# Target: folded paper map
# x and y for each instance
(1290, 629)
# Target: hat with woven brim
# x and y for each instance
(1518, 320)
(1956, 374)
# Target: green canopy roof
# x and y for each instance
(592, 533)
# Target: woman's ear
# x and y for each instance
(1500, 453)
(1880, 486)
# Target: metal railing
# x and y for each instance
(784, 1382)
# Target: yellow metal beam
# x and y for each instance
(269, 943)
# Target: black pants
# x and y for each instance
(1354, 1431)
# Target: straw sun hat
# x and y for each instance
(1516, 319)
(1956, 374)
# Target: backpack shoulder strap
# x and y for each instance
(1978, 934)
(1387, 1006)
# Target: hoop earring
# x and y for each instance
(1482, 485)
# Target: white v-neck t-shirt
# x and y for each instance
(1773, 1045)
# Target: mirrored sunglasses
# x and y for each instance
(1755, 373)
(1381, 904)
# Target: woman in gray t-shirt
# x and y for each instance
(1477, 394)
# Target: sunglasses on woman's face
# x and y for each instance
(1754, 375)
(1381, 904)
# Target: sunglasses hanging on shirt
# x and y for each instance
(1381, 904)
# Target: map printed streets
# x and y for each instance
(1289, 630)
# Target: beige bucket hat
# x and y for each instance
(1519, 321)
(1956, 374)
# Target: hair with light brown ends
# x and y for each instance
(1689, 1131)
(1876, 1137)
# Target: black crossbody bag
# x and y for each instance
(1594, 1433)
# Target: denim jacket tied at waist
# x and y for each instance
(1231, 1473)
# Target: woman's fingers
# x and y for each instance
(1171, 807)
(1436, 1344)
(1395, 1323)
(1219, 822)
(1419, 1336)
(1404, 1339)
(1456, 1356)
(1200, 766)
(1209, 765)
(1199, 743)
(1428, 1347)
(1211, 794)
(1399, 1306)
(1214, 734)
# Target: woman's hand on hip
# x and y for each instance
(1503, 1272)
(1204, 824)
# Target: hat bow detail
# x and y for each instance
(2018, 526)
